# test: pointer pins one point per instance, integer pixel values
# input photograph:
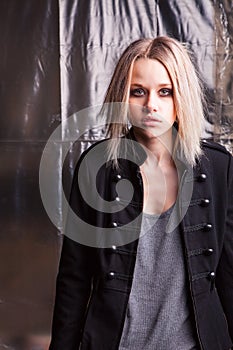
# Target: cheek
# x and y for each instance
(134, 109)
(135, 114)
(172, 111)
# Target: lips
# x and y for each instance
(152, 118)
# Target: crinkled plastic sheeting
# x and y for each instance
(56, 59)
(223, 118)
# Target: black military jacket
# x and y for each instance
(100, 246)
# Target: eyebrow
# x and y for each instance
(160, 85)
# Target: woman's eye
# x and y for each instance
(137, 92)
(166, 92)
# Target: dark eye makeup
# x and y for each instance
(166, 92)
(139, 92)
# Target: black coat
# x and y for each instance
(93, 284)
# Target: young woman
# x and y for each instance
(147, 261)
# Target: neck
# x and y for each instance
(160, 147)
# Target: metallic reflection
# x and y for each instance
(57, 58)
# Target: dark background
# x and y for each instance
(56, 58)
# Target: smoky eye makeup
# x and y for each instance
(137, 92)
(166, 92)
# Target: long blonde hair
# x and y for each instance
(187, 92)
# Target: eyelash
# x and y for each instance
(168, 92)
(139, 92)
(136, 93)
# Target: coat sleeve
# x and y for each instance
(74, 280)
(224, 277)
(73, 289)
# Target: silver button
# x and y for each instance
(208, 227)
(212, 275)
(111, 275)
(209, 251)
(205, 202)
(202, 177)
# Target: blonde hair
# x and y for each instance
(187, 93)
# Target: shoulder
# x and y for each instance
(87, 162)
(214, 151)
(217, 158)
(213, 146)
(92, 154)
(94, 145)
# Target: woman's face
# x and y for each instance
(151, 97)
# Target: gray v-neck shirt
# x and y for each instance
(158, 316)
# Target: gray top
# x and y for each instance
(158, 316)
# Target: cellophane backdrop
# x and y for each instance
(57, 57)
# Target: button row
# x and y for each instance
(211, 275)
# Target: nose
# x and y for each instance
(151, 103)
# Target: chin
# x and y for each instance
(153, 132)
(146, 131)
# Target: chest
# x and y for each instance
(160, 188)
